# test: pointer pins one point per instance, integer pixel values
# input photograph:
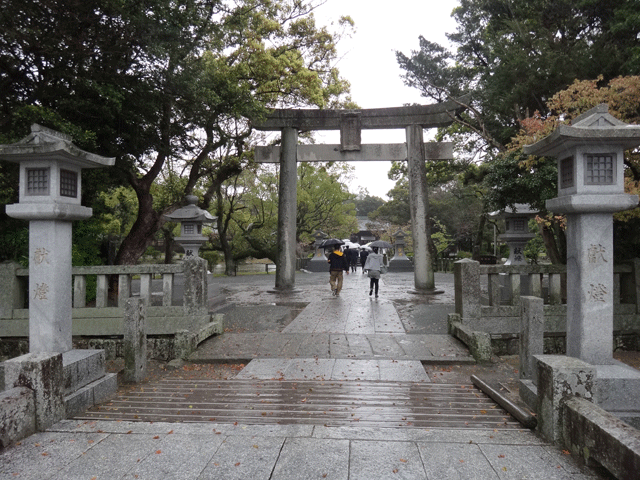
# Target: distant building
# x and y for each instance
(363, 236)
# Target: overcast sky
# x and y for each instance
(368, 61)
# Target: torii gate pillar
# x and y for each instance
(287, 207)
(418, 206)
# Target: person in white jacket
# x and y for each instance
(373, 266)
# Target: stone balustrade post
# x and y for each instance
(531, 336)
(135, 340)
(11, 292)
(467, 289)
(195, 284)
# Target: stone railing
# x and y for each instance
(175, 295)
(487, 298)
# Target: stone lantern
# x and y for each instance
(49, 198)
(318, 262)
(517, 233)
(590, 156)
(400, 262)
(191, 218)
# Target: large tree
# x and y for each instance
(513, 56)
(159, 84)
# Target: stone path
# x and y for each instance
(352, 339)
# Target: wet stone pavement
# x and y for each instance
(349, 388)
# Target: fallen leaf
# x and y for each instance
(566, 452)
(238, 464)
(501, 456)
(403, 460)
(395, 470)
(158, 452)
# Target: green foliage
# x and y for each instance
(513, 56)
(365, 203)
(213, 258)
(161, 87)
(396, 210)
(507, 181)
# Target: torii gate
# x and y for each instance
(350, 123)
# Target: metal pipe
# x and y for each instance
(522, 415)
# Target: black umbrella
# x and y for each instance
(381, 244)
(330, 242)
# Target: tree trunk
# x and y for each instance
(168, 246)
(142, 232)
(477, 244)
(550, 244)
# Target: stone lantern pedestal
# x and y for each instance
(590, 156)
(400, 262)
(319, 261)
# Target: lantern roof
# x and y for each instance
(190, 212)
(46, 144)
(517, 209)
(596, 126)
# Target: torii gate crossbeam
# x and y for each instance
(350, 123)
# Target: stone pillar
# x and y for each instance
(531, 336)
(195, 295)
(50, 289)
(418, 204)
(466, 277)
(287, 204)
(590, 287)
(135, 341)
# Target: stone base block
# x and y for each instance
(89, 395)
(17, 415)
(617, 388)
(529, 394)
(82, 367)
(400, 265)
(560, 378)
(479, 343)
(320, 265)
(42, 373)
(631, 418)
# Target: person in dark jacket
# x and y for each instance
(352, 257)
(337, 264)
(363, 258)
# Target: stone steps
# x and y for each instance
(329, 403)
(86, 382)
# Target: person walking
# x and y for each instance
(363, 258)
(353, 259)
(374, 266)
(337, 264)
